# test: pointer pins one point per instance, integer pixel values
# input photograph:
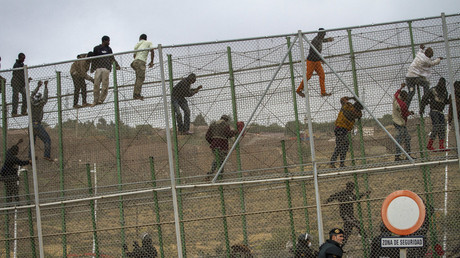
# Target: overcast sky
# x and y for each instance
(56, 30)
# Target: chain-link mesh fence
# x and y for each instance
(111, 168)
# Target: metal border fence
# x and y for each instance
(152, 178)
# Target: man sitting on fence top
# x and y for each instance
(178, 98)
(419, 71)
(140, 58)
(38, 103)
(314, 63)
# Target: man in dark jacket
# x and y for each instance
(102, 66)
(437, 97)
(9, 172)
(346, 198)
(18, 83)
(303, 247)
(38, 102)
(178, 99)
(217, 136)
(332, 247)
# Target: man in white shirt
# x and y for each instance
(419, 71)
(140, 59)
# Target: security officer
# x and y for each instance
(333, 246)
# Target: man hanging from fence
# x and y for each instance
(9, 173)
(346, 199)
(399, 115)
(343, 124)
(314, 63)
(437, 97)
(217, 136)
(140, 59)
(419, 71)
(79, 72)
(102, 66)
(38, 103)
(180, 92)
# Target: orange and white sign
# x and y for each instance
(403, 212)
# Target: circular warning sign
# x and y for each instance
(403, 212)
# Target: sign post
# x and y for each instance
(403, 213)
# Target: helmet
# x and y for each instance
(304, 237)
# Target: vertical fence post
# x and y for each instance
(34, 165)
(312, 142)
(238, 154)
(451, 79)
(297, 129)
(288, 195)
(5, 148)
(29, 214)
(177, 221)
(93, 215)
(361, 141)
(117, 138)
(4, 119)
(428, 187)
(217, 155)
(176, 157)
(157, 207)
(61, 161)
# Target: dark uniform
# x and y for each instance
(346, 197)
(330, 249)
